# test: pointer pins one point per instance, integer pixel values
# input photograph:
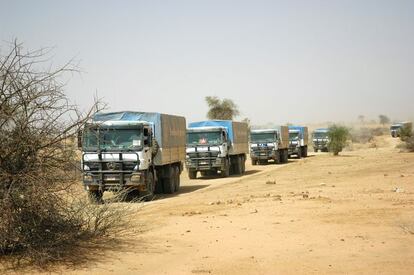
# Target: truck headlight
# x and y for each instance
(86, 167)
(88, 178)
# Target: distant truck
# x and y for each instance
(130, 151)
(320, 140)
(396, 128)
(269, 144)
(216, 146)
(298, 141)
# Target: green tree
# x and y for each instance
(338, 135)
(224, 109)
(383, 119)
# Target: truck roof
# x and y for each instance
(205, 128)
(110, 123)
(321, 130)
(264, 131)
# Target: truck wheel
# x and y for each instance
(169, 181)
(315, 150)
(254, 162)
(95, 196)
(305, 151)
(177, 179)
(149, 194)
(243, 163)
(286, 156)
(192, 174)
(237, 165)
(226, 170)
(299, 154)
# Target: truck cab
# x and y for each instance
(298, 141)
(265, 145)
(216, 147)
(320, 140)
(116, 155)
(207, 149)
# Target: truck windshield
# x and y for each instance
(320, 135)
(395, 127)
(207, 138)
(262, 137)
(293, 136)
(112, 139)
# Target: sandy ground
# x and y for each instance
(350, 214)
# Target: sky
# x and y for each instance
(279, 61)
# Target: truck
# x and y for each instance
(396, 128)
(269, 144)
(298, 141)
(320, 140)
(216, 146)
(140, 152)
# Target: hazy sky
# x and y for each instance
(297, 61)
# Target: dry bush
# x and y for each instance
(39, 224)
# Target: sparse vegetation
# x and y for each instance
(39, 221)
(338, 136)
(383, 119)
(224, 109)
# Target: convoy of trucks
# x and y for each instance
(145, 152)
(133, 151)
(216, 146)
(269, 144)
(320, 140)
(396, 128)
(298, 141)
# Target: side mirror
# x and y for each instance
(80, 139)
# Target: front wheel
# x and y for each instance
(150, 185)
(315, 150)
(192, 174)
(226, 169)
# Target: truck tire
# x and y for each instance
(299, 154)
(315, 149)
(95, 196)
(177, 179)
(150, 184)
(305, 151)
(226, 170)
(243, 164)
(237, 165)
(286, 156)
(192, 174)
(254, 162)
(168, 182)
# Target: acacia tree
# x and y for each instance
(224, 109)
(37, 158)
(338, 136)
(383, 119)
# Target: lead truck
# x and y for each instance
(298, 141)
(216, 146)
(133, 151)
(269, 144)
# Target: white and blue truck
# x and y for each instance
(269, 144)
(320, 139)
(298, 141)
(132, 151)
(216, 146)
(396, 128)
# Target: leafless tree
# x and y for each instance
(38, 126)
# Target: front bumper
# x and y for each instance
(204, 163)
(114, 181)
(266, 154)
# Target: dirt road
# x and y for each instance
(348, 214)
